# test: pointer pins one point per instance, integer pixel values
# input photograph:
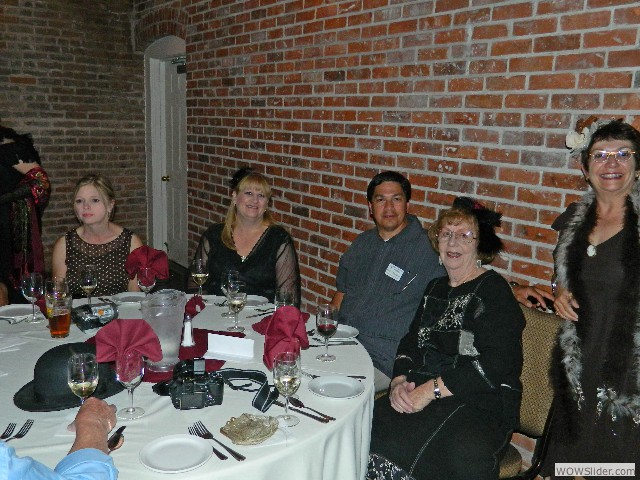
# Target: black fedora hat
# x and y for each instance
(49, 390)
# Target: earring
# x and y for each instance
(479, 263)
(439, 259)
(637, 175)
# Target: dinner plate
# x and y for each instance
(127, 297)
(175, 453)
(16, 310)
(344, 332)
(254, 301)
(336, 386)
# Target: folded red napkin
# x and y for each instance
(147, 257)
(119, 336)
(191, 308)
(279, 329)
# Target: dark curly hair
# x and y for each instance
(483, 220)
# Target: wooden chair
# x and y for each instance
(536, 412)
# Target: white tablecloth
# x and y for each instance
(310, 450)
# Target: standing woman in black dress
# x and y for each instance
(250, 242)
(24, 194)
(597, 260)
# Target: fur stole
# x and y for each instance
(618, 395)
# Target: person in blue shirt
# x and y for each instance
(88, 458)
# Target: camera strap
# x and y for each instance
(265, 393)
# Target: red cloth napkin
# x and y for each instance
(120, 336)
(191, 307)
(279, 329)
(147, 257)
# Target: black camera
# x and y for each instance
(192, 387)
(87, 317)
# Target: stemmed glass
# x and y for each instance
(88, 281)
(237, 300)
(228, 277)
(146, 280)
(286, 376)
(129, 372)
(199, 273)
(82, 374)
(32, 285)
(326, 326)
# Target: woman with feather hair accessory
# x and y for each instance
(455, 395)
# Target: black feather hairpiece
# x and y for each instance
(238, 176)
(484, 215)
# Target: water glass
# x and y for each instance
(146, 279)
(32, 289)
(283, 298)
(129, 372)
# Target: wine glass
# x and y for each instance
(129, 372)
(326, 326)
(286, 376)
(199, 273)
(237, 300)
(32, 285)
(146, 279)
(82, 374)
(229, 276)
(88, 281)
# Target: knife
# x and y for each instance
(334, 344)
(115, 438)
(302, 412)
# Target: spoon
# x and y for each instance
(296, 402)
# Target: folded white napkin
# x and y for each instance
(224, 347)
(21, 318)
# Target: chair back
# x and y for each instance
(538, 340)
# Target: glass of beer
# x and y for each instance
(60, 318)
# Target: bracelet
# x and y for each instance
(437, 394)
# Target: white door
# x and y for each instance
(166, 150)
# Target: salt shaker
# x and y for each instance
(187, 333)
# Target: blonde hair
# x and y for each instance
(104, 187)
(257, 181)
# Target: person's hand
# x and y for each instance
(93, 422)
(400, 396)
(421, 396)
(524, 294)
(4, 295)
(23, 167)
(565, 304)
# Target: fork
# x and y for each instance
(205, 433)
(8, 431)
(218, 453)
(23, 431)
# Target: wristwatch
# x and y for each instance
(436, 389)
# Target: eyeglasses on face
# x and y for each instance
(621, 156)
(445, 235)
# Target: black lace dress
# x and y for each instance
(271, 265)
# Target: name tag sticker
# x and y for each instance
(394, 272)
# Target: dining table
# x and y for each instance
(310, 450)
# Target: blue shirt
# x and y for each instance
(85, 464)
(383, 283)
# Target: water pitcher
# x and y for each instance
(164, 311)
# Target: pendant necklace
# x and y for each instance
(591, 250)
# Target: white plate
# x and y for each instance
(336, 386)
(127, 297)
(344, 332)
(17, 310)
(175, 453)
(254, 301)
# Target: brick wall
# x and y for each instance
(69, 76)
(463, 96)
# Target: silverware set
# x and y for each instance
(357, 377)
(198, 429)
(6, 435)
